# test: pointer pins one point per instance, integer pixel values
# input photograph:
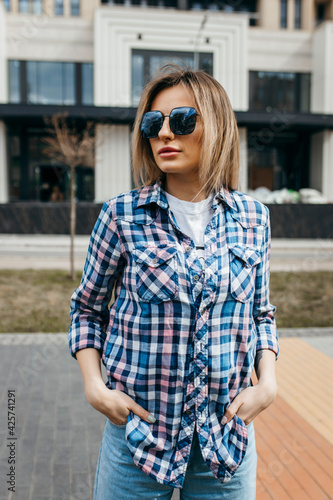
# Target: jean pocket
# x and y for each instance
(243, 262)
(122, 426)
(156, 273)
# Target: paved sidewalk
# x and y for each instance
(58, 433)
(52, 252)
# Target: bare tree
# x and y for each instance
(74, 147)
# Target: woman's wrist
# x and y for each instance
(268, 387)
(94, 390)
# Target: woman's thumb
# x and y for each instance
(142, 413)
(230, 412)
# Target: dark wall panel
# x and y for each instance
(301, 221)
(46, 218)
(287, 221)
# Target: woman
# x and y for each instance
(187, 257)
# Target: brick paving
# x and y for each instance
(59, 433)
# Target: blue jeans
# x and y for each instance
(117, 476)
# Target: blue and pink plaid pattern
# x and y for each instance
(179, 340)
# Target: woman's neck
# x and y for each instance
(185, 189)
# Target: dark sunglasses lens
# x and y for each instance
(183, 120)
(151, 124)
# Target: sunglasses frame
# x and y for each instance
(170, 121)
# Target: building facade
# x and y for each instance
(91, 58)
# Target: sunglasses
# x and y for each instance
(182, 121)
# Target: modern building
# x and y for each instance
(91, 58)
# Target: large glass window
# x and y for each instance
(15, 166)
(46, 82)
(31, 6)
(283, 13)
(284, 91)
(75, 7)
(278, 159)
(14, 81)
(59, 7)
(143, 3)
(87, 83)
(233, 6)
(35, 177)
(146, 62)
(7, 5)
(50, 82)
(320, 13)
(298, 14)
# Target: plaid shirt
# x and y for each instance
(180, 341)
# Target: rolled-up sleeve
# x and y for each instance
(89, 309)
(263, 311)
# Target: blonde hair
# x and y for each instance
(219, 160)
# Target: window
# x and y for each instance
(298, 14)
(14, 81)
(233, 6)
(15, 164)
(31, 6)
(283, 14)
(50, 82)
(75, 7)
(24, 6)
(283, 91)
(87, 83)
(146, 62)
(7, 5)
(143, 3)
(320, 13)
(35, 177)
(44, 82)
(278, 160)
(59, 7)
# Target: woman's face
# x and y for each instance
(184, 157)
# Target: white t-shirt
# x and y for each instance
(192, 218)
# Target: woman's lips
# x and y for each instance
(168, 152)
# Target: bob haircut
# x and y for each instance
(219, 160)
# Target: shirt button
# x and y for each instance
(188, 412)
(188, 249)
(196, 277)
(154, 261)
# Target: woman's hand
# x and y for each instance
(253, 400)
(114, 404)
(250, 402)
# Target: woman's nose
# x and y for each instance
(166, 132)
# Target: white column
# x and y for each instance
(321, 172)
(112, 161)
(3, 164)
(291, 14)
(3, 57)
(243, 166)
(322, 71)
(14, 6)
(269, 14)
(308, 15)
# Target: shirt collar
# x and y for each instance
(155, 193)
(227, 196)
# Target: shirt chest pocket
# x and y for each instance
(156, 273)
(243, 262)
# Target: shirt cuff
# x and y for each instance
(267, 338)
(82, 340)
